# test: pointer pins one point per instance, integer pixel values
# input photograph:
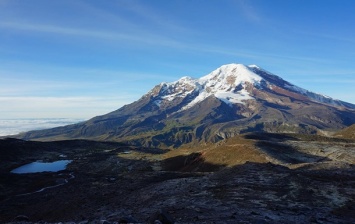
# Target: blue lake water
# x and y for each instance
(37, 167)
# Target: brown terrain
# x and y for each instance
(348, 132)
(252, 178)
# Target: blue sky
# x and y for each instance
(78, 59)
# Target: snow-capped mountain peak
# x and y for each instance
(232, 84)
(226, 83)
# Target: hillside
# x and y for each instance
(348, 132)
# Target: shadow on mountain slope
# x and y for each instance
(272, 145)
(287, 154)
(269, 136)
(190, 163)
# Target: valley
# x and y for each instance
(250, 178)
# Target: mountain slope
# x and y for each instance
(348, 132)
(231, 100)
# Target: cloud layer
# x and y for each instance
(16, 126)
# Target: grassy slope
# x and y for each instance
(348, 132)
(211, 157)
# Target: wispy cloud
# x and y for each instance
(326, 74)
(146, 38)
(156, 19)
(80, 107)
(248, 10)
(108, 17)
(257, 55)
(335, 80)
(15, 87)
(118, 27)
(42, 71)
(326, 36)
(55, 102)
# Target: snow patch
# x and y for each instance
(224, 75)
(296, 89)
(233, 98)
(203, 95)
(157, 102)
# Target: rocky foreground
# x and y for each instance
(278, 179)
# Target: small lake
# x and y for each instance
(37, 167)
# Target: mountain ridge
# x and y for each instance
(231, 100)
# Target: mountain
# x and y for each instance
(231, 100)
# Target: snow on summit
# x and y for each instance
(223, 83)
(232, 84)
(229, 75)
